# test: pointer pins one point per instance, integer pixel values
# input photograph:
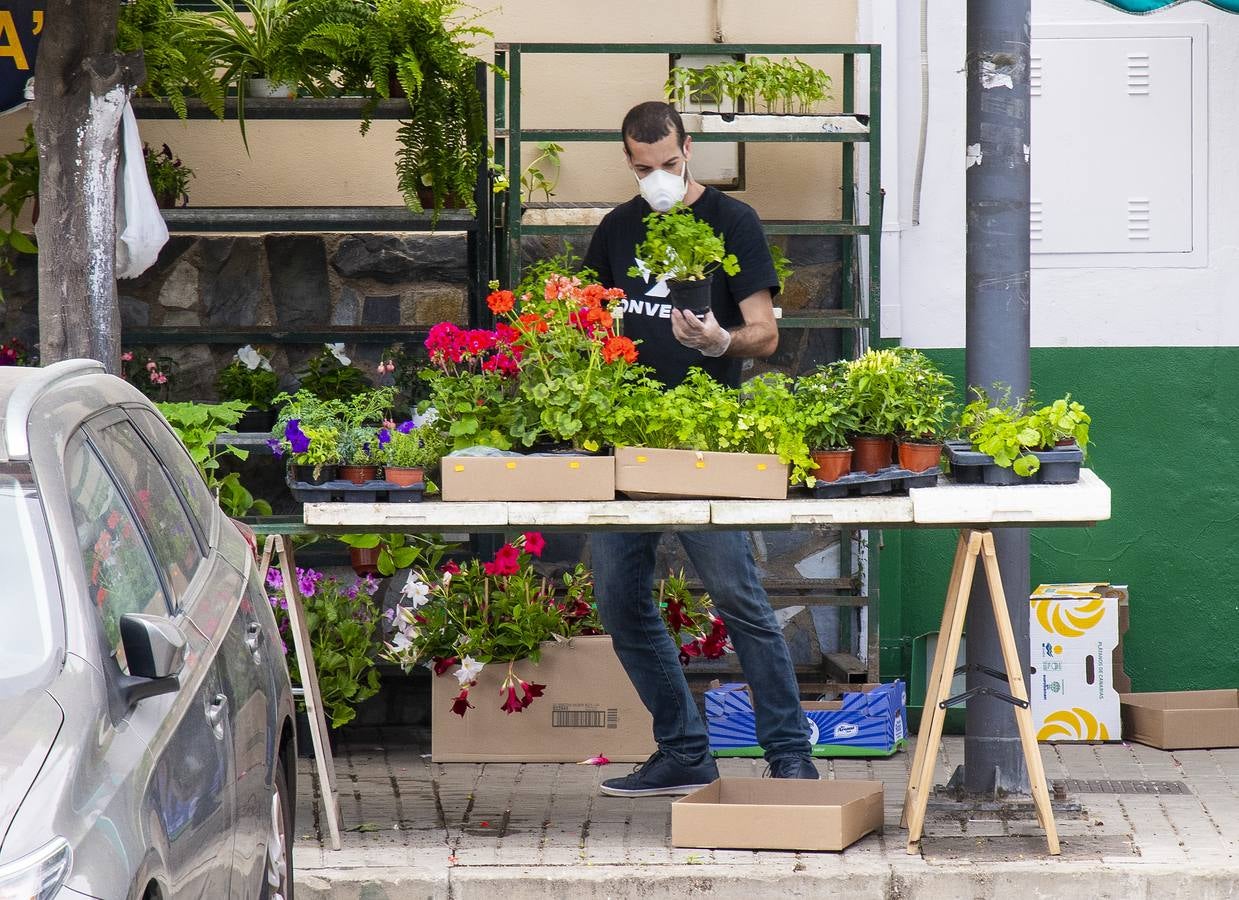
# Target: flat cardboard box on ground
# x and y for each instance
(1076, 661)
(589, 709)
(1182, 720)
(777, 814)
(528, 478)
(643, 471)
(870, 721)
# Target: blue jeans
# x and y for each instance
(623, 564)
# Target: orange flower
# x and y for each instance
(500, 302)
(593, 295)
(533, 322)
(619, 348)
(598, 315)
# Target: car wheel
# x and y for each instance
(278, 884)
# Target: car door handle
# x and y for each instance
(215, 714)
(253, 640)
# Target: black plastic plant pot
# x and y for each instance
(691, 296)
(256, 420)
(305, 474)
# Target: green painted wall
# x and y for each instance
(1166, 423)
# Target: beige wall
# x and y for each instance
(329, 163)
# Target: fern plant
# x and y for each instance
(177, 64)
(328, 40)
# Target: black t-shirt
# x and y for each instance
(648, 319)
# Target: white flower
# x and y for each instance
(469, 670)
(252, 359)
(401, 641)
(337, 350)
(421, 419)
(416, 591)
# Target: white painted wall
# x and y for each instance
(1195, 303)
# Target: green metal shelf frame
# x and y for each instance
(508, 227)
(509, 137)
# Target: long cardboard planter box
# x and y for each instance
(777, 814)
(1182, 720)
(589, 709)
(528, 478)
(643, 471)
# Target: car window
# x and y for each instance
(31, 595)
(158, 508)
(119, 570)
(176, 459)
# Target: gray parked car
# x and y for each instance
(146, 717)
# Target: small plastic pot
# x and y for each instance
(306, 475)
(691, 296)
(403, 475)
(872, 453)
(364, 560)
(831, 464)
(919, 457)
(359, 474)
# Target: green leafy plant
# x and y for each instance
(1062, 420)
(327, 42)
(198, 425)
(168, 176)
(1002, 430)
(681, 247)
(330, 375)
(178, 65)
(403, 365)
(248, 378)
(925, 405)
(824, 409)
(19, 183)
(874, 384)
(777, 86)
(533, 179)
(415, 448)
(360, 445)
(782, 267)
(343, 622)
(308, 429)
(396, 551)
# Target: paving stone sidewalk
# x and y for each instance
(1135, 822)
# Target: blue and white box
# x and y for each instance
(871, 721)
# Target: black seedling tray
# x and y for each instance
(890, 480)
(347, 492)
(968, 466)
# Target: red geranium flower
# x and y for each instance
(619, 347)
(533, 322)
(535, 543)
(501, 302)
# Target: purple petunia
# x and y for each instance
(297, 439)
(384, 436)
(277, 447)
(406, 427)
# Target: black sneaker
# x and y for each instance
(793, 767)
(661, 775)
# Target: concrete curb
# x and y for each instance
(1040, 878)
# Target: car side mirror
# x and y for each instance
(155, 651)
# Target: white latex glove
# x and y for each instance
(706, 335)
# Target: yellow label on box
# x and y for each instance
(574, 465)
(701, 464)
(511, 465)
(459, 468)
(761, 467)
(642, 459)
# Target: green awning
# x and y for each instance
(1140, 7)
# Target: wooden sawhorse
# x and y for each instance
(325, 763)
(972, 544)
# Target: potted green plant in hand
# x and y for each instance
(686, 252)
(250, 379)
(924, 411)
(828, 419)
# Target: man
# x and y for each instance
(740, 324)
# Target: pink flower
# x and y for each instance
(150, 365)
(127, 356)
(595, 761)
(461, 703)
(531, 692)
(506, 562)
(535, 543)
(513, 703)
(443, 664)
(450, 568)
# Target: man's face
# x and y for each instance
(663, 154)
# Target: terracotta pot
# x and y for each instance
(831, 464)
(426, 197)
(359, 474)
(872, 453)
(364, 560)
(919, 457)
(306, 474)
(404, 475)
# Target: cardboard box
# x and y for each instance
(777, 814)
(528, 478)
(590, 708)
(1074, 634)
(871, 721)
(1182, 720)
(641, 471)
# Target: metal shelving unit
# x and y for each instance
(860, 316)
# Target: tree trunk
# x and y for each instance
(81, 85)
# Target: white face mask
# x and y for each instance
(661, 189)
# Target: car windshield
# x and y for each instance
(30, 596)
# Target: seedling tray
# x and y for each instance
(890, 480)
(348, 492)
(968, 466)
